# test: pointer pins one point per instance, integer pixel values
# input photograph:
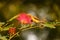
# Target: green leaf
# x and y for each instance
(49, 25)
(3, 37)
(6, 28)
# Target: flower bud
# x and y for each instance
(12, 30)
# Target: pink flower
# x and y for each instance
(24, 18)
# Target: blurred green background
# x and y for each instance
(50, 10)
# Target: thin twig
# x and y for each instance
(27, 28)
(22, 29)
(13, 36)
